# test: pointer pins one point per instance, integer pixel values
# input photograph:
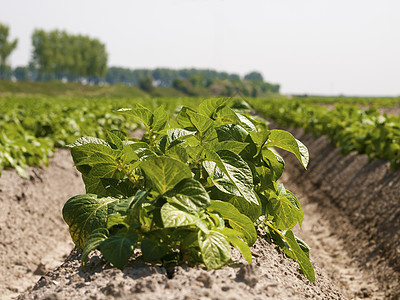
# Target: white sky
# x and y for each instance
(349, 47)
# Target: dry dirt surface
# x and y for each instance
(33, 236)
(352, 215)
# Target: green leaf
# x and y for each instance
(117, 249)
(246, 123)
(190, 194)
(113, 139)
(210, 106)
(160, 118)
(152, 250)
(250, 209)
(301, 257)
(118, 187)
(237, 221)
(225, 115)
(215, 249)
(284, 140)
(85, 213)
(94, 240)
(233, 146)
(140, 112)
(236, 177)
(184, 120)
(88, 140)
(202, 123)
(176, 216)
(232, 237)
(285, 208)
(275, 162)
(165, 172)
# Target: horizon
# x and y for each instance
(314, 48)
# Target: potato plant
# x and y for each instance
(188, 190)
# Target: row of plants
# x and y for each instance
(32, 127)
(188, 190)
(349, 127)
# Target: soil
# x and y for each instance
(351, 222)
(33, 235)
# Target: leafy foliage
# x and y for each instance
(348, 126)
(189, 188)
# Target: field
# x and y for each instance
(349, 197)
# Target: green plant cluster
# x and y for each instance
(31, 128)
(349, 127)
(188, 190)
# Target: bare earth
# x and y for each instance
(351, 222)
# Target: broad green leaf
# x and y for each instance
(215, 249)
(177, 216)
(93, 241)
(301, 257)
(165, 172)
(88, 140)
(233, 146)
(135, 207)
(231, 132)
(225, 115)
(202, 123)
(237, 221)
(113, 139)
(118, 187)
(116, 219)
(246, 123)
(250, 209)
(140, 112)
(232, 237)
(184, 120)
(275, 162)
(236, 177)
(85, 213)
(285, 209)
(178, 152)
(190, 194)
(118, 248)
(210, 106)
(152, 250)
(284, 140)
(120, 134)
(160, 118)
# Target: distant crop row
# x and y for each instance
(348, 126)
(31, 128)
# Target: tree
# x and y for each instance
(146, 84)
(254, 76)
(6, 47)
(21, 73)
(58, 55)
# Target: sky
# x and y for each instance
(324, 47)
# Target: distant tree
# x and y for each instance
(254, 76)
(21, 73)
(6, 47)
(58, 55)
(146, 84)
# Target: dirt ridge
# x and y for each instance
(361, 201)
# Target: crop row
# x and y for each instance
(349, 127)
(31, 128)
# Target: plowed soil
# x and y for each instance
(352, 215)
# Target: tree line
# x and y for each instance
(58, 55)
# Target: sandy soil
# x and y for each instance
(33, 235)
(351, 222)
(352, 218)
